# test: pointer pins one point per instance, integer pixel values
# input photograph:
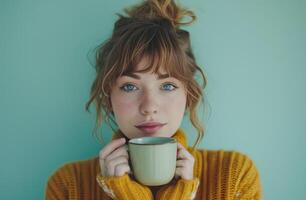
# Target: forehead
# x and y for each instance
(144, 68)
(145, 63)
(139, 75)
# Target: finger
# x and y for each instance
(111, 165)
(184, 173)
(111, 147)
(180, 146)
(182, 163)
(121, 169)
(178, 172)
(183, 153)
(121, 151)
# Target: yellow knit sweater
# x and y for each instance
(217, 175)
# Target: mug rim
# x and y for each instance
(169, 140)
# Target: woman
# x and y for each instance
(145, 84)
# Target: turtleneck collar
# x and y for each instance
(179, 135)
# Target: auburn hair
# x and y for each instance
(150, 29)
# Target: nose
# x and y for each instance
(149, 104)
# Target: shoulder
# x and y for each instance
(235, 158)
(233, 167)
(69, 171)
(227, 163)
(65, 180)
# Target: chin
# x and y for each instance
(160, 133)
(147, 134)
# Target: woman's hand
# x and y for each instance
(184, 163)
(114, 159)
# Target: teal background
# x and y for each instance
(253, 53)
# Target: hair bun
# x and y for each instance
(166, 9)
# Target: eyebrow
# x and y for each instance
(133, 75)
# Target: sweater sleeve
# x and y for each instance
(248, 186)
(124, 188)
(182, 189)
(56, 188)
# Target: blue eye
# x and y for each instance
(169, 88)
(127, 87)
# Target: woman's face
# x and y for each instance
(148, 99)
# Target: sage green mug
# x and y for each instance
(153, 159)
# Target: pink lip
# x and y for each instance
(150, 128)
(150, 124)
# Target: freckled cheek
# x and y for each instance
(176, 103)
(125, 107)
(177, 106)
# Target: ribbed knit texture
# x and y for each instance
(218, 174)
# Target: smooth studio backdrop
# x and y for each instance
(252, 50)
